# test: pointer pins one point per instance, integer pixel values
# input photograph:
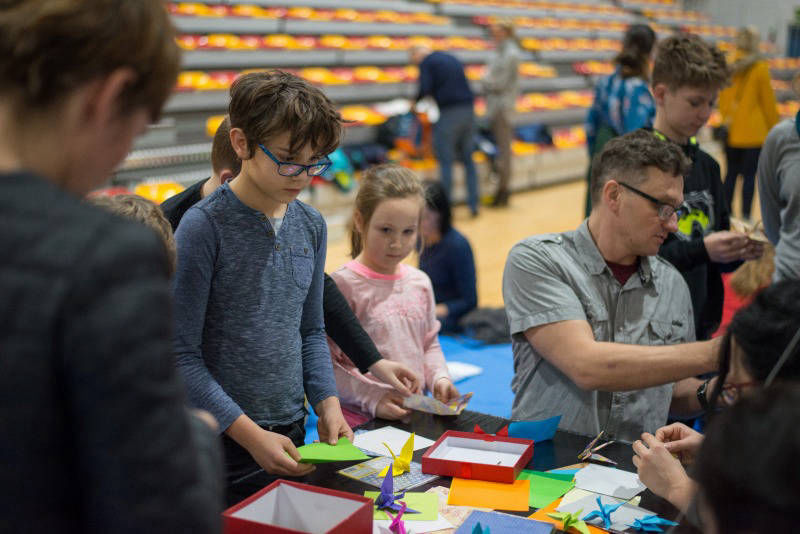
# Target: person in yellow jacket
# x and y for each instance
(749, 111)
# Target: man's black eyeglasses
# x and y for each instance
(665, 211)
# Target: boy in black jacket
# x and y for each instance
(687, 76)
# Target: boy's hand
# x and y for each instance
(444, 390)
(681, 440)
(726, 246)
(391, 407)
(277, 455)
(331, 425)
(396, 375)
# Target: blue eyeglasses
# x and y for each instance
(286, 168)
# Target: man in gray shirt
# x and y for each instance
(593, 312)
(779, 191)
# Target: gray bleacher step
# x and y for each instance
(245, 25)
(312, 27)
(243, 59)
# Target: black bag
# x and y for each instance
(489, 325)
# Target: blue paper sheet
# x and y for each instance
(535, 430)
(504, 524)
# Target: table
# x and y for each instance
(562, 450)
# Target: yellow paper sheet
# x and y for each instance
(494, 495)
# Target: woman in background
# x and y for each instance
(622, 100)
(748, 109)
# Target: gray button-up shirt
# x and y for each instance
(559, 277)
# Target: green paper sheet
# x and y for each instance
(425, 503)
(343, 451)
(546, 487)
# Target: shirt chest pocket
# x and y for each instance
(661, 332)
(302, 266)
(597, 316)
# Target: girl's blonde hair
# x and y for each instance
(378, 184)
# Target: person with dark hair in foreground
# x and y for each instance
(756, 339)
(446, 258)
(96, 433)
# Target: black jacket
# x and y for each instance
(95, 432)
(703, 193)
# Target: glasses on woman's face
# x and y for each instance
(286, 168)
(665, 211)
(731, 393)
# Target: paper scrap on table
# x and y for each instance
(546, 487)
(455, 514)
(624, 516)
(343, 451)
(373, 440)
(417, 527)
(535, 430)
(461, 371)
(609, 481)
(494, 495)
(423, 403)
(367, 472)
(576, 494)
(499, 523)
(426, 505)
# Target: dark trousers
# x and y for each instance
(744, 162)
(243, 475)
(453, 139)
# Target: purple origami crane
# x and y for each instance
(387, 498)
(604, 512)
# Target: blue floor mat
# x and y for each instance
(492, 388)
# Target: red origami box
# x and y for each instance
(478, 456)
(292, 508)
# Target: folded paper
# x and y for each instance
(609, 481)
(546, 487)
(343, 451)
(603, 512)
(402, 463)
(590, 452)
(423, 403)
(387, 499)
(571, 521)
(651, 523)
(535, 430)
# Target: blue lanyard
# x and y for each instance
(797, 123)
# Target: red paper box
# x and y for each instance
(286, 507)
(479, 456)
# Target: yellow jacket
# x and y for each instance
(748, 107)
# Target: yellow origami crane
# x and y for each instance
(402, 463)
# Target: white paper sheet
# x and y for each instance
(373, 440)
(576, 494)
(417, 527)
(461, 370)
(609, 481)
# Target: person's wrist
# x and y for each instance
(326, 404)
(681, 492)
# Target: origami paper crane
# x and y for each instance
(651, 523)
(387, 497)
(604, 512)
(397, 526)
(502, 432)
(590, 452)
(480, 530)
(402, 463)
(571, 521)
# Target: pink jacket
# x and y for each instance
(399, 314)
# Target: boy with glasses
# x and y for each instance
(688, 74)
(600, 324)
(250, 337)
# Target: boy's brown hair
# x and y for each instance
(146, 212)
(626, 158)
(380, 183)
(52, 47)
(223, 156)
(266, 104)
(686, 60)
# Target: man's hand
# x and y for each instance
(753, 250)
(445, 391)
(391, 407)
(681, 440)
(661, 472)
(331, 425)
(277, 455)
(397, 375)
(726, 246)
